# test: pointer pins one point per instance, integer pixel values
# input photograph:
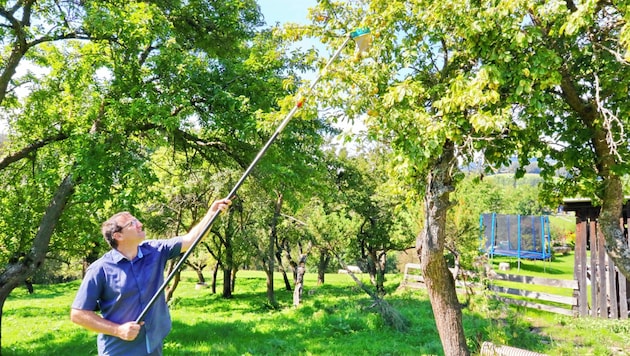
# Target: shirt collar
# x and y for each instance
(117, 256)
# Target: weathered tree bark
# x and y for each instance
(299, 281)
(16, 273)
(29, 286)
(234, 271)
(430, 245)
(215, 272)
(376, 267)
(322, 265)
(285, 277)
(611, 192)
(609, 215)
(227, 268)
(200, 277)
(198, 267)
(284, 246)
(227, 283)
(170, 289)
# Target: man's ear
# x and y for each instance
(117, 235)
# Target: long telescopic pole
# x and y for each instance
(232, 193)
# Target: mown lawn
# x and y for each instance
(334, 319)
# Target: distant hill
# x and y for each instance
(507, 179)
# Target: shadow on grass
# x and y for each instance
(224, 337)
(535, 266)
(541, 269)
(347, 327)
(52, 343)
(45, 291)
(332, 320)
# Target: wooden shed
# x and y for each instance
(609, 294)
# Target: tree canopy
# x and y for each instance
(447, 82)
(103, 88)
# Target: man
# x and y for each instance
(121, 283)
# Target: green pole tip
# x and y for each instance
(359, 32)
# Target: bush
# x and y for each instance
(55, 271)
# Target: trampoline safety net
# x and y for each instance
(522, 236)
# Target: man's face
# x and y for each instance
(131, 230)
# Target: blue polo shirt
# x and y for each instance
(121, 289)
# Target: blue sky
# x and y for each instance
(296, 11)
(290, 11)
(283, 11)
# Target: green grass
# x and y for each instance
(560, 268)
(334, 319)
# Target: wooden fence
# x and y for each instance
(597, 276)
(520, 295)
(568, 305)
(608, 287)
(413, 276)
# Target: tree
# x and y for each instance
(363, 185)
(450, 79)
(569, 92)
(120, 80)
(471, 198)
(186, 186)
(401, 89)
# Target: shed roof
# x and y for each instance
(584, 208)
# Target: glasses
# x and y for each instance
(132, 222)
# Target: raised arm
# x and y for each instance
(189, 238)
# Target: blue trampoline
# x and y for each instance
(521, 236)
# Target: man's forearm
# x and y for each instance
(92, 321)
(191, 236)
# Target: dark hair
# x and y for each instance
(110, 227)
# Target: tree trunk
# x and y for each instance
(611, 186)
(234, 270)
(16, 273)
(611, 191)
(280, 247)
(200, 277)
(612, 203)
(227, 283)
(322, 265)
(609, 215)
(273, 237)
(170, 290)
(228, 266)
(439, 280)
(381, 264)
(376, 268)
(299, 285)
(215, 271)
(371, 266)
(287, 283)
(29, 286)
(299, 280)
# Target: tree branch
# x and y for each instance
(26, 151)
